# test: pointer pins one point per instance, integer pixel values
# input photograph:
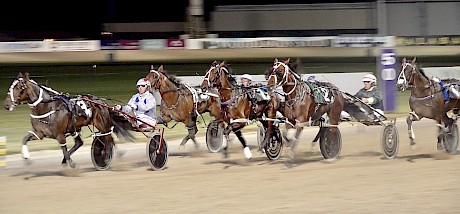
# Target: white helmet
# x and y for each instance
(370, 78)
(246, 76)
(143, 81)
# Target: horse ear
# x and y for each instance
(287, 61)
(413, 60)
(160, 69)
(276, 60)
(26, 76)
(222, 64)
(404, 60)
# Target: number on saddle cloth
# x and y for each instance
(259, 95)
(321, 95)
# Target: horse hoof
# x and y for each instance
(440, 147)
(72, 165)
(247, 153)
(413, 147)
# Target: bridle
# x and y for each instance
(284, 79)
(155, 81)
(406, 82)
(217, 70)
(23, 87)
(208, 74)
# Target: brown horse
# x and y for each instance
(300, 107)
(428, 99)
(181, 102)
(239, 105)
(57, 116)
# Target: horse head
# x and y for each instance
(155, 77)
(407, 74)
(282, 73)
(21, 90)
(212, 76)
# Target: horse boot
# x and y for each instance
(246, 150)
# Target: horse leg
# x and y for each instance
(29, 137)
(409, 120)
(442, 133)
(227, 131)
(78, 143)
(66, 160)
(192, 130)
(246, 150)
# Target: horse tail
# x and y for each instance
(121, 126)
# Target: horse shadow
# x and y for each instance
(65, 172)
(435, 156)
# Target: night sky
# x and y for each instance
(83, 18)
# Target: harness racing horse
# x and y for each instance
(301, 110)
(238, 106)
(429, 99)
(56, 116)
(181, 102)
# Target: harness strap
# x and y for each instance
(43, 115)
(40, 99)
(102, 134)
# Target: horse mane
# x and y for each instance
(230, 77)
(171, 77)
(293, 67)
(422, 72)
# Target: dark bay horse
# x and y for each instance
(427, 100)
(57, 116)
(238, 104)
(300, 107)
(181, 102)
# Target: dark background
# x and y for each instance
(22, 20)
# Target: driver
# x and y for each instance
(142, 103)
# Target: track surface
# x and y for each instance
(360, 181)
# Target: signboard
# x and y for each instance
(428, 41)
(176, 43)
(387, 76)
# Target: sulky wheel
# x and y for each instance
(451, 139)
(330, 142)
(157, 154)
(390, 141)
(274, 147)
(102, 152)
(214, 137)
(260, 135)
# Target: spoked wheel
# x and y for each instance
(102, 152)
(274, 147)
(214, 137)
(450, 140)
(260, 135)
(390, 141)
(157, 154)
(330, 142)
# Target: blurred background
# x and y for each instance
(103, 47)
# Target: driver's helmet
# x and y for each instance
(369, 77)
(246, 76)
(143, 82)
(312, 79)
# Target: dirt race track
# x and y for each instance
(360, 181)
